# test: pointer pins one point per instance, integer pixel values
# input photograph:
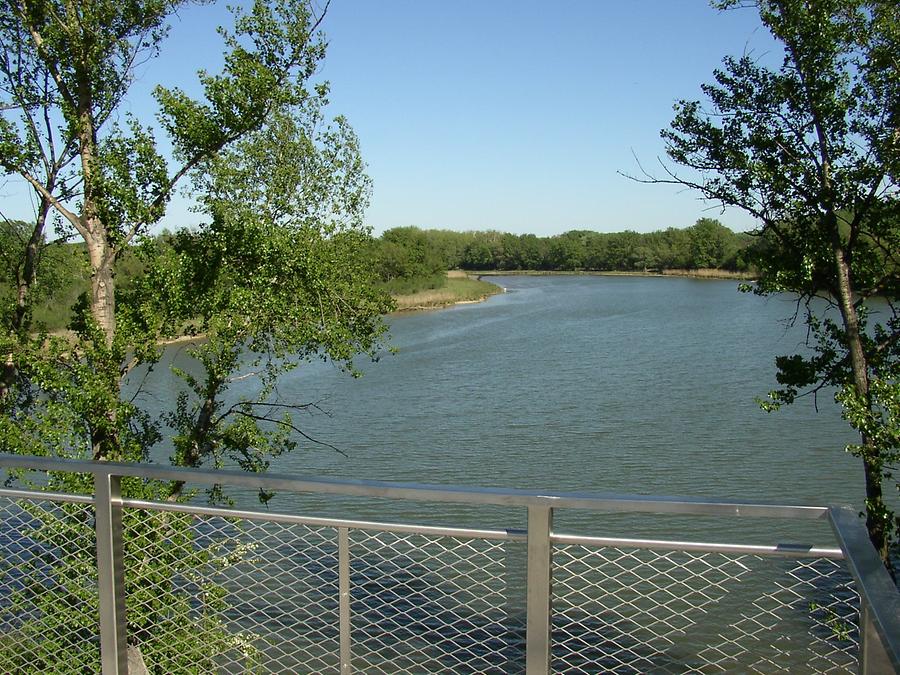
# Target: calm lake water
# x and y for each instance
(608, 384)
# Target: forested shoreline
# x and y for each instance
(409, 260)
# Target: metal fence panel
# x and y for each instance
(48, 588)
(641, 610)
(435, 604)
(233, 595)
(207, 590)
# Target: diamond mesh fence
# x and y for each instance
(219, 594)
(225, 595)
(248, 596)
(48, 588)
(622, 610)
(435, 604)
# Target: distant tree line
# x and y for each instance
(65, 273)
(410, 259)
(407, 253)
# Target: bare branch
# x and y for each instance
(292, 427)
(42, 190)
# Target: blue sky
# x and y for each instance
(505, 115)
(518, 115)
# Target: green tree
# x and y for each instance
(22, 248)
(811, 149)
(596, 256)
(484, 251)
(478, 256)
(671, 247)
(566, 251)
(275, 277)
(533, 252)
(710, 243)
(409, 252)
(622, 250)
(514, 252)
(645, 257)
(450, 245)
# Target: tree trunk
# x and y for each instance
(875, 507)
(7, 375)
(29, 268)
(96, 236)
(876, 511)
(136, 665)
(25, 284)
(198, 439)
(103, 291)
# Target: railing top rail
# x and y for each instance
(337, 523)
(875, 586)
(430, 493)
(776, 550)
(508, 534)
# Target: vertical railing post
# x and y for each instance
(879, 600)
(873, 658)
(539, 578)
(344, 598)
(110, 573)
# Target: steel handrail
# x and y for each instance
(427, 492)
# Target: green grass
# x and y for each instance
(457, 288)
(408, 286)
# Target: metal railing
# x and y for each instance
(127, 584)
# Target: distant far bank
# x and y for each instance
(462, 287)
(702, 273)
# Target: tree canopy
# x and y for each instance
(811, 149)
(276, 267)
(275, 277)
(406, 252)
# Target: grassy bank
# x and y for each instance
(710, 274)
(459, 288)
